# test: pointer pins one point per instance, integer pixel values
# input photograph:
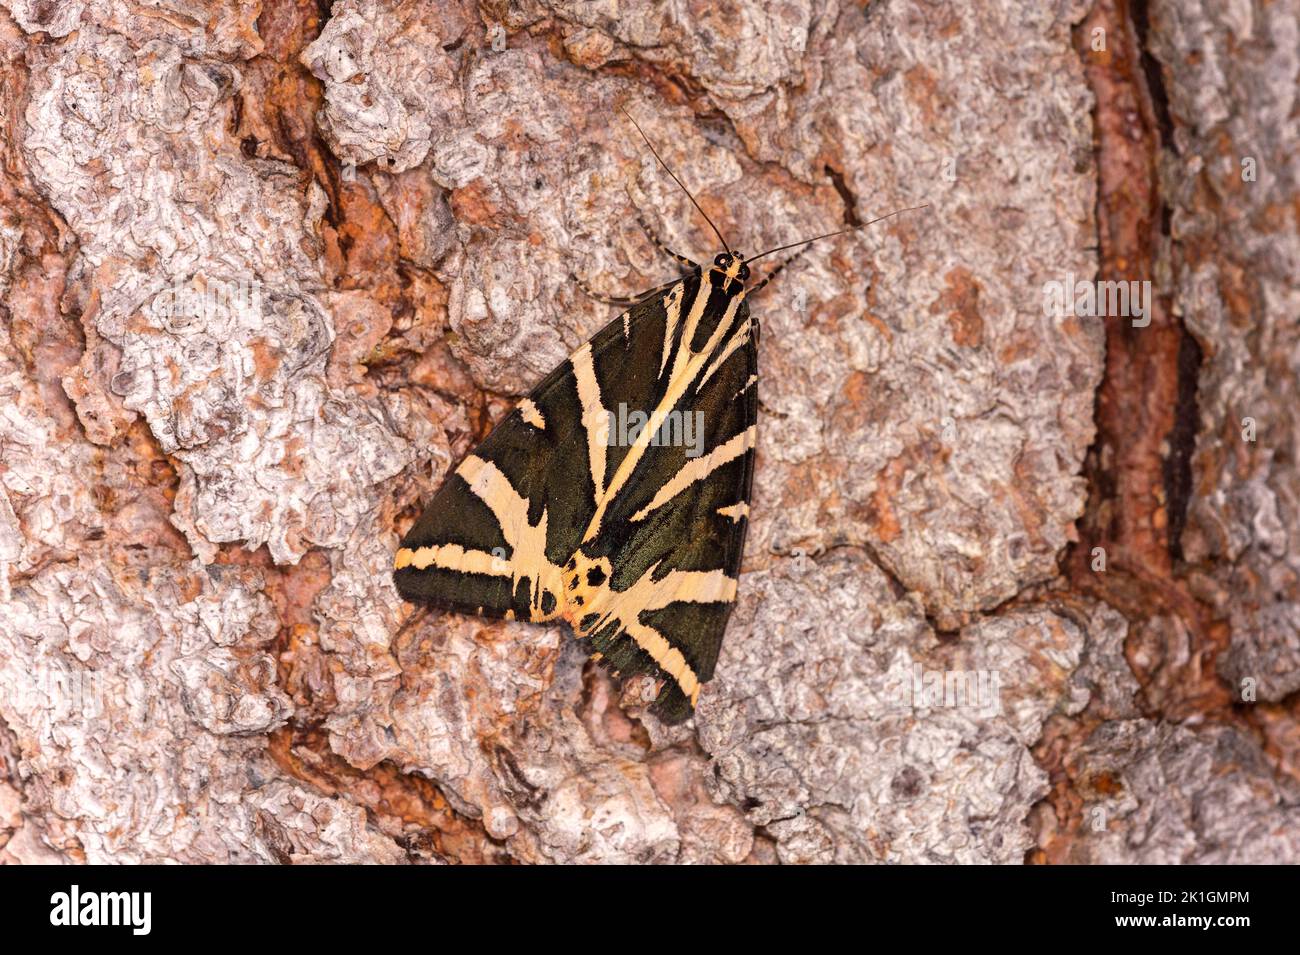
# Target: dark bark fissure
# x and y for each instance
(1182, 436)
(1139, 467)
(1155, 80)
(1182, 441)
(851, 217)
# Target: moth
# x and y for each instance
(631, 537)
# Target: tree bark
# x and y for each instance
(1023, 576)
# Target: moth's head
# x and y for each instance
(729, 272)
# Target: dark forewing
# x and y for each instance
(673, 531)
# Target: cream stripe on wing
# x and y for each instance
(684, 372)
(666, 656)
(724, 326)
(735, 341)
(531, 414)
(699, 468)
(692, 586)
(452, 557)
(647, 594)
(698, 305)
(735, 511)
(595, 419)
(527, 541)
(673, 314)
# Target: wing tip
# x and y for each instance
(673, 707)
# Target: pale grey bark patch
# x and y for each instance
(851, 734)
(211, 293)
(222, 28)
(391, 89)
(1163, 794)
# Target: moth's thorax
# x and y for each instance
(729, 273)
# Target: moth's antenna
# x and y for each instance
(676, 180)
(782, 248)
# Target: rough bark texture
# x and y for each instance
(1019, 586)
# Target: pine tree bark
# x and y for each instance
(268, 269)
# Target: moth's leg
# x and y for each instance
(683, 261)
(606, 299)
(620, 302)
